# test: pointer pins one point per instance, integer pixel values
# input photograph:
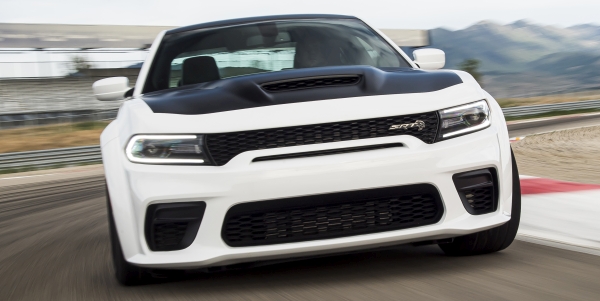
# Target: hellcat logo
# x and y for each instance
(417, 124)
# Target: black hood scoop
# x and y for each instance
(311, 82)
(293, 86)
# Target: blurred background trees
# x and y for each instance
(471, 66)
(79, 63)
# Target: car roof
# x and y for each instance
(256, 19)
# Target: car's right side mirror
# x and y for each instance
(112, 88)
(429, 58)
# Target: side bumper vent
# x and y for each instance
(173, 226)
(478, 190)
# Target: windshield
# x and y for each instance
(207, 55)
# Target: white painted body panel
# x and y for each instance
(430, 58)
(133, 187)
(111, 88)
(135, 117)
(139, 84)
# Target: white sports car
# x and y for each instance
(271, 138)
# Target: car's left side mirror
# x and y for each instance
(112, 88)
(430, 58)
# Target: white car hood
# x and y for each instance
(136, 117)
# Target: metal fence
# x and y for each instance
(50, 158)
(541, 109)
(60, 62)
(25, 95)
(61, 80)
(58, 117)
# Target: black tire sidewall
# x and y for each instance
(495, 239)
(126, 273)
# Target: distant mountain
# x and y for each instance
(573, 63)
(509, 47)
(587, 31)
(529, 50)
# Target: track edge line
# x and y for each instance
(557, 244)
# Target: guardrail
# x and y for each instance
(91, 154)
(541, 109)
(16, 120)
(50, 158)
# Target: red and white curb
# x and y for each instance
(560, 214)
(515, 139)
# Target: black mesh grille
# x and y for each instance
(168, 236)
(224, 146)
(330, 216)
(481, 199)
(478, 190)
(172, 226)
(313, 82)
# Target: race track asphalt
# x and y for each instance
(54, 246)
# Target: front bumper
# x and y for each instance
(133, 187)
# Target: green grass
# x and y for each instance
(51, 136)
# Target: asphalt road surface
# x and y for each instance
(529, 127)
(54, 245)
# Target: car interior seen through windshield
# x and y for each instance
(206, 55)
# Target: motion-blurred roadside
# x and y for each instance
(46, 100)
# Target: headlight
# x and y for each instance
(166, 149)
(464, 119)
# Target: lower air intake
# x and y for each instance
(477, 190)
(480, 200)
(331, 215)
(173, 226)
(168, 236)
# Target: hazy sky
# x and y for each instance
(421, 14)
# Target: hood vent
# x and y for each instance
(311, 82)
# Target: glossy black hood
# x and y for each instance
(311, 84)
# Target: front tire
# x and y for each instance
(495, 239)
(125, 272)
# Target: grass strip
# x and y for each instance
(51, 136)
